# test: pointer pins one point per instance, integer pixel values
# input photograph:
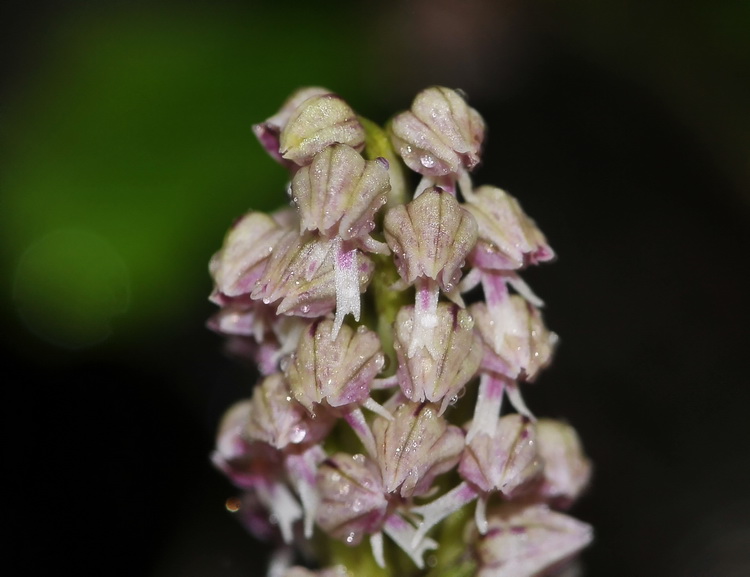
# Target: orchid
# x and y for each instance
(377, 430)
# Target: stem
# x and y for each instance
(452, 557)
(387, 302)
(377, 145)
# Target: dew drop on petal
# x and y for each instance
(427, 161)
(298, 434)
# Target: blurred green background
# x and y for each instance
(126, 151)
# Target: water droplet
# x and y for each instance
(427, 161)
(350, 537)
(304, 309)
(298, 434)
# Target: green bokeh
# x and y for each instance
(136, 133)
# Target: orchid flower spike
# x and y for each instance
(388, 324)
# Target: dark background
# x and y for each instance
(126, 152)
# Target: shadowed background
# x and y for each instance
(126, 152)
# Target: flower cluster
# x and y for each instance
(377, 420)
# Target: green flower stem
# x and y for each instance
(377, 144)
(452, 557)
(387, 303)
(358, 560)
(386, 300)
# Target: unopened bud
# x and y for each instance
(337, 370)
(517, 343)
(340, 192)
(268, 132)
(277, 419)
(318, 122)
(566, 469)
(503, 462)
(440, 135)
(300, 276)
(527, 540)
(437, 377)
(245, 253)
(430, 237)
(352, 499)
(507, 239)
(415, 447)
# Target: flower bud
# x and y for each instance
(243, 257)
(442, 376)
(440, 135)
(339, 371)
(268, 132)
(430, 237)
(316, 123)
(230, 441)
(527, 540)
(507, 238)
(238, 319)
(503, 462)
(300, 276)
(566, 469)
(517, 344)
(277, 419)
(352, 499)
(415, 447)
(258, 333)
(340, 192)
(248, 464)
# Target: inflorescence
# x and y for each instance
(377, 420)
